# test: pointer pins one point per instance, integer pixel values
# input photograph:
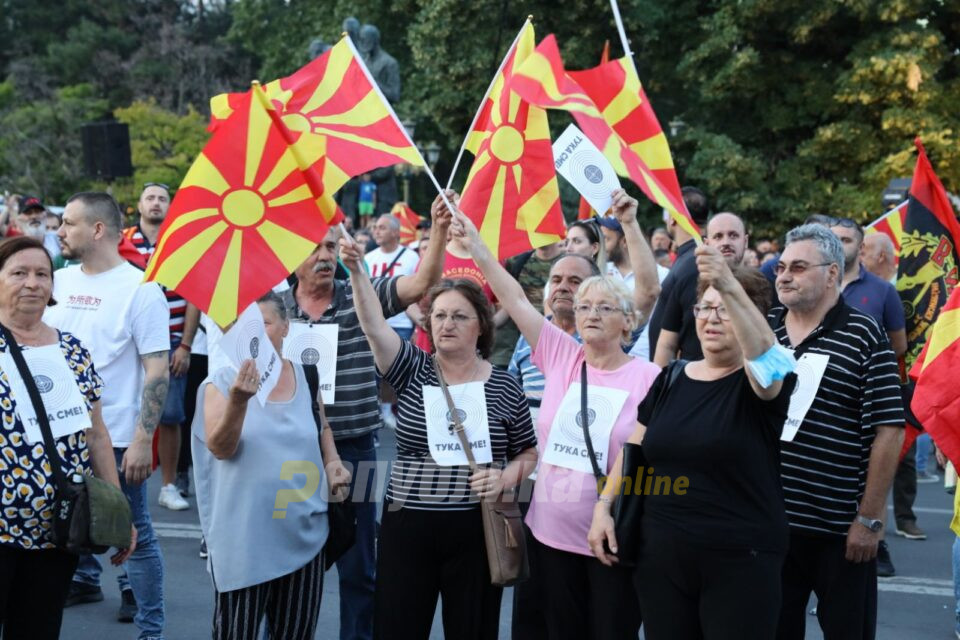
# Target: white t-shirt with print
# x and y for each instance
(118, 318)
(378, 261)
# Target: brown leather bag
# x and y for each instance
(502, 520)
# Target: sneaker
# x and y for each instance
(183, 483)
(203, 548)
(170, 498)
(911, 531)
(128, 606)
(884, 563)
(82, 593)
(925, 477)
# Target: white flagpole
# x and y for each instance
(503, 62)
(393, 114)
(623, 34)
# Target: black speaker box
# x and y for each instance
(106, 150)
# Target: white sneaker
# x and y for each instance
(171, 499)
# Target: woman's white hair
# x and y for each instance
(605, 285)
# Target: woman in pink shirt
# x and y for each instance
(581, 597)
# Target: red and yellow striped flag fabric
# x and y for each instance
(249, 211)
(585, 211)
(408, 220)
(891, 225)
(332, 97)
(511, 192)
(542, 81)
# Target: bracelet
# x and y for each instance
(184, 345)
(605, 500)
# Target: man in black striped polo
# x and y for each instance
(838, 466)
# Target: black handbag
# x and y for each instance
(628, 505)
(341, 514)
(89, 515)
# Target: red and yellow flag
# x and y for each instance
(249, 211)
(542, 81)
(408, 220)
(936, 403)
(891, 225)
(333, 98)
(585, 211)
(511, 192)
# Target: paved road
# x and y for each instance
(917, 604)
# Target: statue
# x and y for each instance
(352, 26)
(317, 48)
(383, 67)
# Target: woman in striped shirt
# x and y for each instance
(431, 535)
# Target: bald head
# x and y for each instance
(878, 255)
(728, 234)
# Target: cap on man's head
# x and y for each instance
(609, 222)
(30, 202)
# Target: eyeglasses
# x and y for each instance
(797, 268)
(156, 184)
(845, 222)
(457, 318)
(703, 311)
(601, 309)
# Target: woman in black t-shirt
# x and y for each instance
(713, 543)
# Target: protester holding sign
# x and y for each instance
(34, 575)
(582, 598)
(431, 535)
(715, 533)
(253, 449)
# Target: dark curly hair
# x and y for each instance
(474, 295)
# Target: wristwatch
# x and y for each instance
(870, 523)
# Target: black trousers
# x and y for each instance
(527, 621)
(582, 598)
(846, 591)
(195, 375)
(423, 555)
(33, 588)
(905, 488)
(291, 604)
(688, 592)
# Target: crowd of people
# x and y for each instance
(555, 360)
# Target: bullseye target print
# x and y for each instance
(248, 349)
(311, 348)
(600, 412)
(54, 390)
(598, 182)
(470, 411)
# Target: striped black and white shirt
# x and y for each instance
(356, 410)
(416, 481)
(824, 468)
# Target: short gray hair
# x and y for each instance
(394, 223)
(831, 251)
(272, 298)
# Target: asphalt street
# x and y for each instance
(917, 604)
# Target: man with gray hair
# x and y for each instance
(124, 322)
(839, 456)
(879, 256)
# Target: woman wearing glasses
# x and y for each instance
(711, 553)
(431, 535)
(581, 598)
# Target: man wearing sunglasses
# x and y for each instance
(837, 468)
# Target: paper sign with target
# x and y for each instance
(66, 409)
(579, 161)
(471, 405)
(247, 340)
(315, 345)
(566, 445)
(810, 370)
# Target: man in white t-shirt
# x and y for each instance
(124, 324)
(390, 259)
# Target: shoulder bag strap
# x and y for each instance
(56, 462)
(584, 423)
(458, 425)
(313, 384)
(395, 260)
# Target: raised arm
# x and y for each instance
(508, 291)
(384, 341)
(137, 461)
(413, 287)
(646, 283)
(223, 415)
(749, 326)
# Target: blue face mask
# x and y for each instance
(774, 364)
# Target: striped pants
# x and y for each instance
(291, 604)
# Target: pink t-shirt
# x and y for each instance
(563, 499)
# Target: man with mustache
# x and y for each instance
(318, 297)
(32, 221)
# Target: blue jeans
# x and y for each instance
(923, 451)
(144, 568)
(956, 576)
(357, 567)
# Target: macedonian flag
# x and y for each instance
(890, 224)
(249, 211)
(511, 192)
(408, 220)
(334, 99)
(542, 81)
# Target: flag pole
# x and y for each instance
(463, 145)
(393, 114)
(623, 33)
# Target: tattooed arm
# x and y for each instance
(138, 458)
